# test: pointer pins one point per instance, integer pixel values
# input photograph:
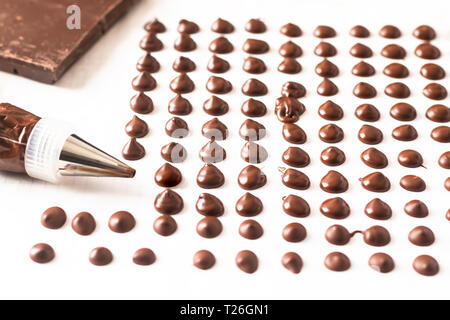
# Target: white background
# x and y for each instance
(94, 95)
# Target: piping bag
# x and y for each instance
(48, 150)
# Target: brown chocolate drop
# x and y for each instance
(176, 128)
(364, 90)
(184, 43)
(359, 32)
(179, 106)
(83, 223)
(327, 88)
(390, 32)
(327, 69)
(331, 111)
(376, 182)
(367, 112)
(331, 133)
(338, 235)
(210, 177)
(254, 65)
(209, 227)
(255, 46)
(361, 51)
(432, 71)
(376, 236)
(209, 205)
(251, 130)
(204, 260)
(247, 261)
(290, 50)
(144, 257)
(397, 90)
(173, 152)
(186, 26)
(150, 42)
(100, 256)
(155, 25)
(412, 183)
(136, 128)
(289, 66)
(133, 150)
(447, 185)
(441, 134)
(335, 208)
(332, 156)
(251, 229)
(374, 158)
(288, 110)
(325, 49)
(221, 45)
(293, 133)
(294, 179)
(444, 160)
(143, 82)
(427, 51)
(324, 32)
(334, 182)
(396, 70)
(215, 106)
(255, 26)
(183, 64)
(53, 218)
(165, 225)
(410, 159)
(421, 236)
(426, 265)
(147, 63)
(168, 176)
(222, 26)
(393, 51)
(424, 32)
(295, 157)
(292, 262)
(212, 152)
(168, 202)
(296, 206)
(249, 205)
(141, 103)
(416, 209)
(370, 135)
(42, 253)
(121, 222)
(214, 128)
(294, 232)
(378, 210)
(435, 91)
(253, 153)
(405, 132)
(218, 85)
(293, 90)
(363, 69)
(291, 30)
(403, 112)
(254, 88)
(381, 262)
(182, 84)
(251, 178)
(337, 261)
(253, 108)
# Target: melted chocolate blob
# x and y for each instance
(374, 158)
(184, 43)
(376, 236)
(412, 183)
(393, 51)
(144, 82)
(288, 110)
(173, 152)
(83, 223)
(289, 66)
(338, 235)
(210, 177)
(255, 26)
(335, 208)
(150, 42)
(397, 90)
(444, 160)
(248, 205)
(381, 262)
(376, 182)
(293, 90)
(421, 236)
(405, 132)
(186, 26)
(141, 103)
(364, 90)
(325, 49)
(176, 128)
(403, 112)
(324, 32)
(183, 64)
(179, 106)
(212, 152)
(294, 179)
(435, 91)
(327, 69)
(165, 225)
(215, 106)
(121, 222)
(332, 156)
(424, 32)
(247, 261)
(363, 69)
(215, 129)
(416, 209)
(337, 261)
(182, 84)
(133, 150)
(396, 70)
(204, 260)
(251, 130)
(144, 257)
(441, 134)
(292, 262)
(168, 176)
(427, 51)
(359, 31)
(295, 157)
(370, 135)
(155, 25)
(290, 50)
(296, 206)
(367, 112)
(217, 65)
(136, 128)
(220, 45)
(209, 205)
(209, 227)
(251, 178)
(253, 108)
(218, 85)
(168, 202)
(327, 88)
(254, 65)
(222, 26)
(254, 88)
(334, 182)
(147, 63)
(410, 159)
(255, 46)
(294, 232)
(390, 32)
(331, 111)
(293, 133)
(100, 256)
(53, 218)
(361, 51)
(291, 30)
(331, 133)
(42, 253)
(253, 153)
(250, 229)
(432, 71)
(426, 265)
(378, 210)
